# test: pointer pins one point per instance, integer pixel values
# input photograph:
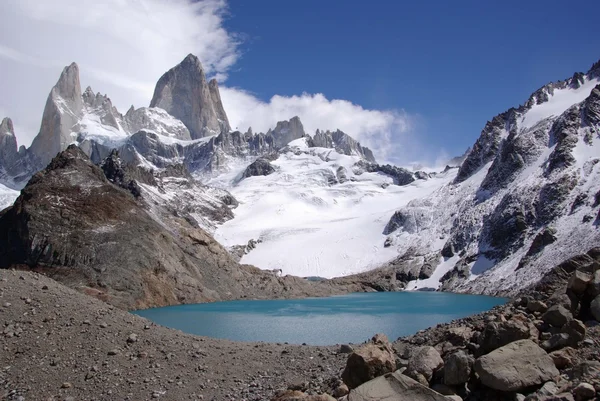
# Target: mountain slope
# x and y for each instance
(78, 227)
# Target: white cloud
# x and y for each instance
(124, 46)
(121, 46)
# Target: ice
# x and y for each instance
(309, 227)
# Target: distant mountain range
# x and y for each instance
(524, 196)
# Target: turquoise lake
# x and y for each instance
(351, 318)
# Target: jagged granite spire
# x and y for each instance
(63, 109)
(8, 143)
(185, 94)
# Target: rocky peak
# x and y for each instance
(594, 71)
(6, 127)
(63, 109)
(185, 94)
(342, 143)
(8, 143)
(287, 131)
(68, 87)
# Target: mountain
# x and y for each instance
(92, 228)
(184, 93)
(524, 195)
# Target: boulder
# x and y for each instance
(557, 316)
(576, 331)
(536, 306)
(578, 282)
(516, 366)
(294, 395)
(394, 386)
(563, 358)
(457, 368)
(424, 362)
(497, 334)
(258, 167)
(595, 308)
(369, 361)
(557, 341)
(584, 391)
(594, 285)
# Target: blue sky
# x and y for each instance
(414, 81)
(454, 65)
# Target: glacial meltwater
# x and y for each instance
(349, 318)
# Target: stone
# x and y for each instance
(497, 334)
(132, 338)
(578, 282)
(557, 316)
(424, 361)
(341, 390)
(584, 391)
(516, 366)
(557, 341)
(113, 352)
(457, 368)
(563, 358)
(594, 285)
(345, 349)
(66, 385)
(536, 306)
(595, 308)
(394, 386)
(576, 331)
(369, 361)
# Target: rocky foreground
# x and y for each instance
(59, 344)
(543, 346)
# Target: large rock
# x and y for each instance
(369, 361)
(578, 282)
(457, 368)
(423, 363)
(516, 366)
(394, 387)
(557, 316)
(185, 94)
(497, 334)
(258, 167)
(595, 308)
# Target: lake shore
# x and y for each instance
(59, 344)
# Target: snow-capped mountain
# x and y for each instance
(526, 194)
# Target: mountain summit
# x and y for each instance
(185, 94)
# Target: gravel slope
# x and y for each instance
(57, 344)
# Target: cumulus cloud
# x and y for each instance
(124, 46)
(121, 46)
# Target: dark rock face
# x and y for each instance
(259, 167)
(185, 94)
(113, 170)
(400, 175)
(488, 144)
